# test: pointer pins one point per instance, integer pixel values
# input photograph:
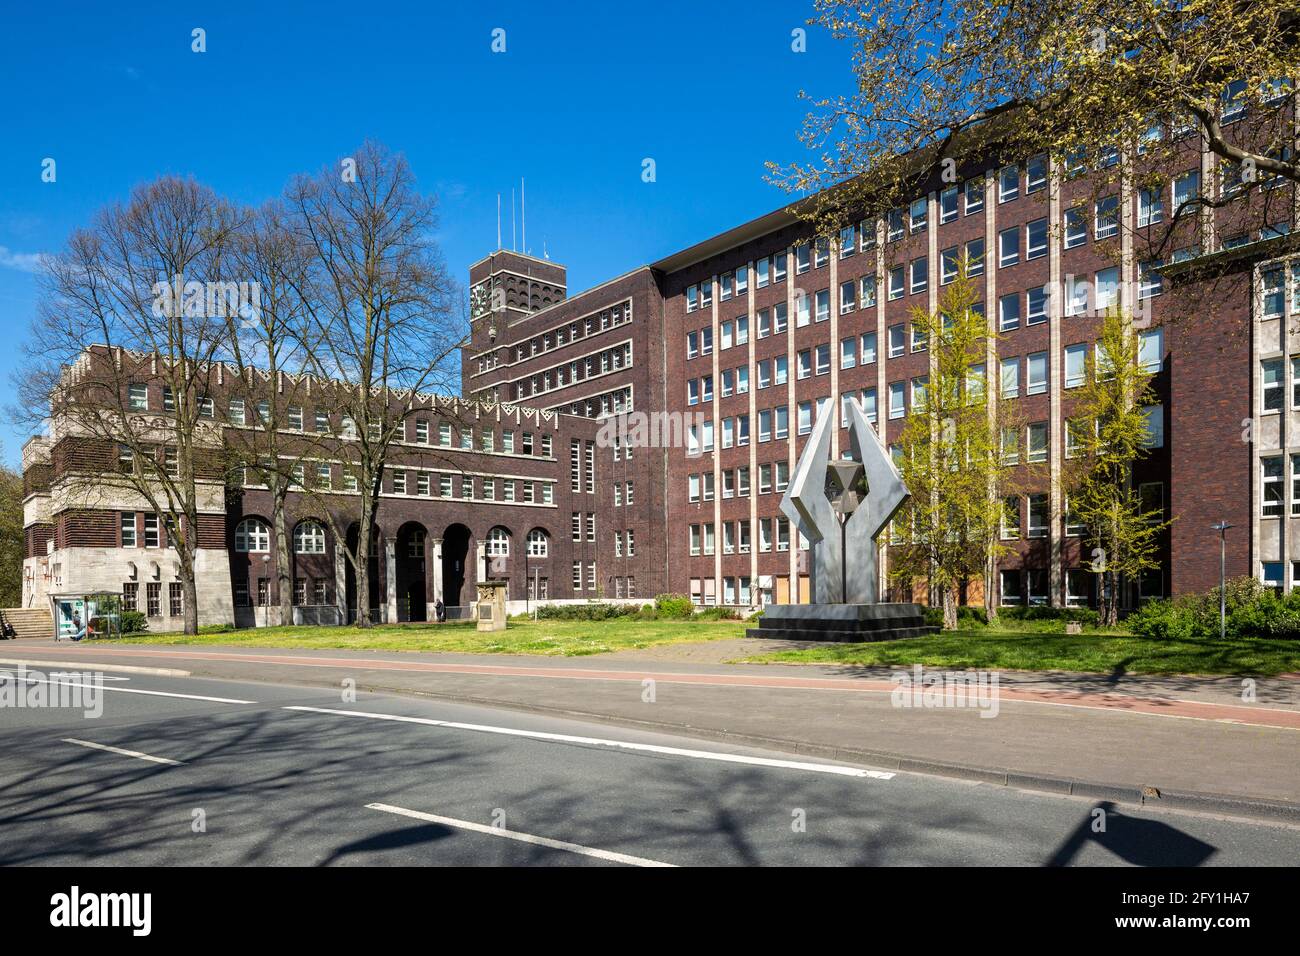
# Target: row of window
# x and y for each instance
(736, 592)
(1033, 510)
(1271, 499)
(614, 402)
(578, 370)
(772, 476)
(422, 484)
(306, 591)
(773, 534)
(1081, 294)
(153, 598)
(610, 318)
(1028, 241)
(582, 465)
(1273, 384)
(415, 430)
(1019, 586)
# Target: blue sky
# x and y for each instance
(583, 93)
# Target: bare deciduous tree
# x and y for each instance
(382, 313)
(132, 318)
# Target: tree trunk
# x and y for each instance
(990, 598)
(189, 595)
(285, 583)
(950, 608)
(1109, 599)
(363, 564)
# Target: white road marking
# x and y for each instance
(620, 744)
(63, 665)
(124, 753)
(608, 855)
(5, 675)
(135, 690)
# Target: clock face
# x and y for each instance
(479, 300)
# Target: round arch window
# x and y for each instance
(253, 535)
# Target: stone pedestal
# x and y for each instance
(491, 607)
(844, 623)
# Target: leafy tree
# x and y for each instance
(946, 87)
(1108, 434)
(950, 456)
(11, 537)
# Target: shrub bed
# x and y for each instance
(1253, 610)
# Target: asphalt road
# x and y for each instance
(246, 779)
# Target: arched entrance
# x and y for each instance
(455, 556)
(375, 590)
(412, 560)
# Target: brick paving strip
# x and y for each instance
(1065, 733)
(1247, 714)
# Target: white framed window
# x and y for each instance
(849, 352)
(867, 288)
(309, 538)
(918, 214)
(1107, 217)
(1151, 207)
(539, 543)
(1151, 349)
(1036, 442)
(1037, 379)
(1008, 183)
(1186, 188)
(1009, 246)
(848, 296)
(1036, 173)
(498, 543)
(1076, 228)
(1036, 239)
(948, 204)
(1076, 357)
(920, 274)
(1107, 286)
(252, 536)
(1009, 312)
(897, 400)
(1271, 476)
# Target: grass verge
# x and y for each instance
(1108, 653)
(558, 638)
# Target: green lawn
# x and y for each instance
(1093, 651)
(1028, 647)
(559, 638)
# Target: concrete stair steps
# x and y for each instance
(30, 622)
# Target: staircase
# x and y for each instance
(33, 622)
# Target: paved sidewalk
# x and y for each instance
(1194, 740)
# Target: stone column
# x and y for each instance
(390, 567)
(341, 582)
(476, 573)
(435, 555)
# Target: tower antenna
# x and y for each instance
(523, 216)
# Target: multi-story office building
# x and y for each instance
(738, 342)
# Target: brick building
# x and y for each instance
(741, 339)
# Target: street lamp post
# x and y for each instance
(1222, 527)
